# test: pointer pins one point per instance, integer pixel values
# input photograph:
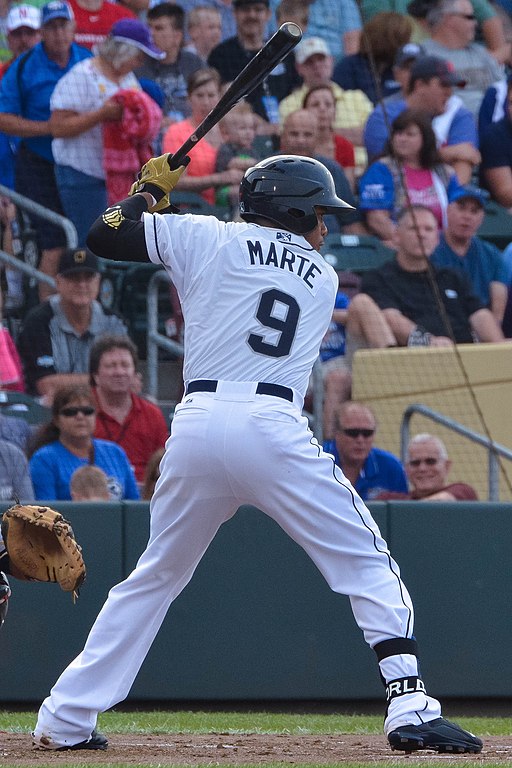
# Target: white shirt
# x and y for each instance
(257, 301)
(83, 89)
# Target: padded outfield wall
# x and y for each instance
(258, 622)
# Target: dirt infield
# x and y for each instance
(228, 749)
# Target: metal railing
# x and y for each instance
(494, 449)
(156, 340)
(31, 207)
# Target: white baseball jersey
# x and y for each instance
(256, 301)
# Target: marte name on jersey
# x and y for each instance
(283, 258)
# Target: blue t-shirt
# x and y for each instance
(381, 472)
(52, 465)
(29, 95)
(483, 264)
(333, 343)
(462, 128)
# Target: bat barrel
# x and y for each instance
(253, 74)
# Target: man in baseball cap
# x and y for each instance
(23, 24)
(430, 90)
(56, 9)
(75, 260)
(461, 249)
(315, 66)
(58, 334)
(311, 46)
(407, 54)
(428, 67)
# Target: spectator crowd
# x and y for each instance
(408, 104)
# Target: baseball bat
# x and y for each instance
(273, 52)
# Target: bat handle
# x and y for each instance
(180, 157)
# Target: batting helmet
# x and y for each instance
(286, 189)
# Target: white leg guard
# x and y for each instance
(408, 703)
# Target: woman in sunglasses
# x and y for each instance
(66, 443)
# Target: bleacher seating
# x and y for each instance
(497, 225)
(124, 288)
(355, 253)
(190, 202)
(23, 406)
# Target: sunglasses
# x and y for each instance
(358, 432)
(85, 410)
(430, 462)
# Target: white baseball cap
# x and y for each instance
(309, 47)
(23, 16)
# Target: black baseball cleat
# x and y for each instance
(440, 735)
(95, 741)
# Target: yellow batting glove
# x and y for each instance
(157, 178)
(162, 205)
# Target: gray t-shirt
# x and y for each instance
(474, 64)
(15, 482)
(172, 79)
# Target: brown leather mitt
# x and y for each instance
(42, 547)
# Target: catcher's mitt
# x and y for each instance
(42, 547)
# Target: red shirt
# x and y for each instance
(93, 26)
(344, 151)
(461, 492)
(142, 432)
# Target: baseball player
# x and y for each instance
(257, 298)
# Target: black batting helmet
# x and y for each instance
(286, 189)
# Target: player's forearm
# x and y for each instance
(118, 234)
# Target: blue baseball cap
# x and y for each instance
(468, 191)
(56, 9)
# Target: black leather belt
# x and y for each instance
(263, 388)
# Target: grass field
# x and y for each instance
(248, 722)
(257, 722)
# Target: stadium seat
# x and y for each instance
(23, 406)
(355, 253)
(497, 225)
(124, 289)
(190, 202)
